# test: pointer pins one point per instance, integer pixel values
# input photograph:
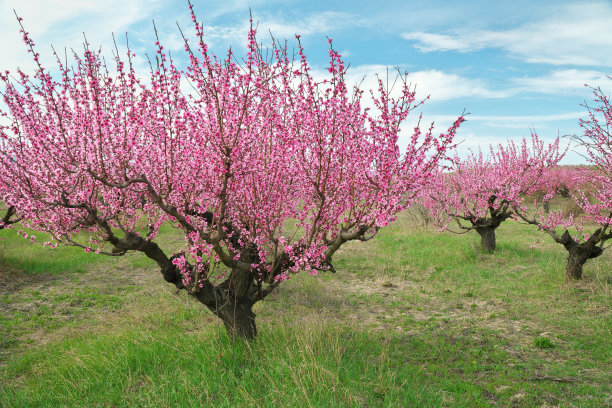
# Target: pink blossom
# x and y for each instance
(255, 147)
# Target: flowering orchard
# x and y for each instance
(479, 193)
(584, 238)
(265, 170)
(560, 179)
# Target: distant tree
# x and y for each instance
(478, 193)
(584, 238)
(560, 179)
(266, 170)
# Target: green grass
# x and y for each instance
(543, 342)
(34, 258)
(413, 318)
(172, 368)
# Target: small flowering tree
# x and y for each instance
(265, 170)
(479, 193)
(559, 179)
(585, 238)
(580, 238)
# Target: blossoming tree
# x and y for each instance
(584, 238)
(479, 193)
(265, 170)
(559, 179)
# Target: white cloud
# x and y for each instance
(526, 119)
(428, 42)
(577, 34)
(62, 23)
(441, 86)
(325, 22)
(519, 122)
(563, 82)
(549, 123)
(444, 86)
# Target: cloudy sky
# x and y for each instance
(514, 66)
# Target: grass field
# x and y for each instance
(414, 318)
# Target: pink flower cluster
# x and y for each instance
(260, 157)
(479, 186)
(559, 180)
(590, 187)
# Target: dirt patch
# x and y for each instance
(12, 280)
(37, 309)
(391, 303)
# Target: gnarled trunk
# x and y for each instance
(238, 318)
(575, 261)
(486, 226)
(7, 219)
(579, 253)
(487, 238)
(232, 300)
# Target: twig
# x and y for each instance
(556, 379)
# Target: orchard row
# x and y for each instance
(265, 168)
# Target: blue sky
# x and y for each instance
(513, 65)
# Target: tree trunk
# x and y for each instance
(487, 238)
(576, 259)
(238, 318)
(232, 301)
(580, 253)
(486, 226)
